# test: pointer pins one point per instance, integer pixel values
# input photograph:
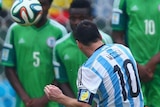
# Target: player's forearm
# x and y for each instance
(71, 102)
(44, 99)
(118, 37)
(12, 77)
(157, 58)
(55, 94)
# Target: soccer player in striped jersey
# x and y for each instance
(110, 73)
(27, 57)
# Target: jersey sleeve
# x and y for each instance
(59, 70)
(8, 57)
(86, 79)
(119, 16)
(87, 86)
(62, 28)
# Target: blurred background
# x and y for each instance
(59, 11)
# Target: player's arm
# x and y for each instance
(12, 77)
(118, 37)
(8, 60)
(155, 59)
(146, 72)
(55, 94)
(62, 81)
(119, 21)
(60, 74)
(66, 89)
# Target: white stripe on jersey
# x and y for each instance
(108, 85)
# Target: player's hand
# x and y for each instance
(38, 102)
(27, 101)
(146, 72)
(53, 92)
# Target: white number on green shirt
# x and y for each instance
(149, 27)
(36, 59)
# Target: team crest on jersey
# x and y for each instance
(84, 95)
(51, 41)
(115, 18)
(5, 54)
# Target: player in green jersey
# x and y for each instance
(27, 56)
(137, 26)
(68, 57)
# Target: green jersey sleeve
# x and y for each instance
(119, 16)
(8, 51)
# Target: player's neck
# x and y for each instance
(41, 23)
(89, 50)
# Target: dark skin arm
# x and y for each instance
(13, 79)
(65, 87)
(118, 37)
(29, 102)
(39, 102)
(146, 72)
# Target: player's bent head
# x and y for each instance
(87, 32)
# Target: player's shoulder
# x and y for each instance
(55, 23)
(58, 25)
(15, 27)
(63, 40)
(14, 24)
(120, 47)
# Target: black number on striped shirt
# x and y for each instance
(128, 69)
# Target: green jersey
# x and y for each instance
(68, 58)
(29, 49)
(140, 21)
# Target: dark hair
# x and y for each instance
(81, 4)
(50, 1)
(87, 32)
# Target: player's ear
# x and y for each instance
(79, 44)
(100, 37)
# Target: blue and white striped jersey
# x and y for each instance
(111, 74)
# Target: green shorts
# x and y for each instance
(151, 91)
